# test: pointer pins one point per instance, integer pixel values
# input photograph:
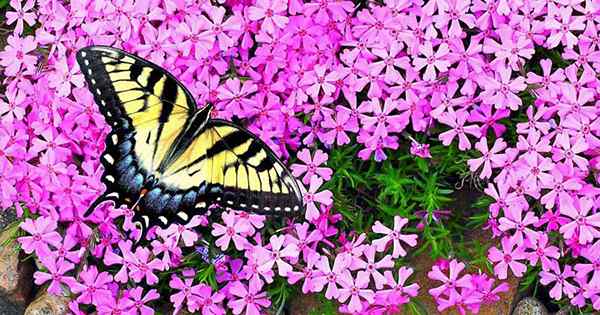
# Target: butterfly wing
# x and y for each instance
(165, 154)
(239, 170)
(148, 110)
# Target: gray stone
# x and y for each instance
(9, 308)
(7, 217)
(530, 306)
(48, 304)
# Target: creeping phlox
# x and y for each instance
(310, 75)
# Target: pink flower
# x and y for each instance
(490, 158)
(232, 230)
(92, 288)
(501, 91)
(140, 300)
(456, 120)
(144, 267)
(584, 226)
(43, 233)
(248, 298)
(451, 282)
(355, 289)
(399, 293)
(508, 257)
(21, 15)
(236, 98)
(312, 166)
(542, 251)
(561, 285)
(562, 25)
(393, 236)
(271, 13)
(311, 197)
(56, 273)
(332, 276)
(420, 149)
(514, 219)
(15, 55)
(317, 80)
(371, 268)
(277, 253)
(431, 60)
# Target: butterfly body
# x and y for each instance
(166, 157)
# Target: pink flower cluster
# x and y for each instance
(313, 74)
(467, 292)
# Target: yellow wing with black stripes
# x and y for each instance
(168, 157)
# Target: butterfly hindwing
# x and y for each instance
(239, 170)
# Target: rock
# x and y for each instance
(530, 306)
(16, 275)
(7, 217)
(7, 307)
(48, 304)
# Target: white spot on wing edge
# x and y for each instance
(83, 54)
(183, 215)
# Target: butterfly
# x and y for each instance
(167, 159)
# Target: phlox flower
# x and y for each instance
(139, 300)
(144, 266)
(92, 286)
(399, 292)
(501, 91)
(485, 286)
(311, 197)
(560, 189)
(420, 149)
(43, 233)
(270, 12)
(234, 95)
(463, 299)
(21, 15)
(370, 268)
(275, 256)
(509, 257)
(562, 26)
(376, 144)
(309, 273)
(338, 127)
(355, 289)
(183, 232)
(432, 60)
(312, 166)
(489, 159)
(56, 273)
(561, 285)
(332, 276)
(583, 225)
(115, 305)
(305, 239)
(592, 255)
(16, 55)
(207, 301)
(394, 236)
(452, 281)
(542, 251)
(126, 261)
(456, 120)
(232, 230)
(221, 28)
(317, 80)
(187, 292)
(248, 298)
(451, 14)
(514, 220)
